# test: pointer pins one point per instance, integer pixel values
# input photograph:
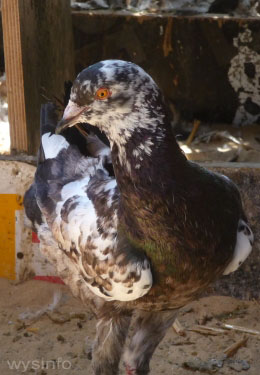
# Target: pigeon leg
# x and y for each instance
(110, 338)
(149, 330)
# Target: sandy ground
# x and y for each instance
(63, 336)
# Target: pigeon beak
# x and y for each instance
(71, 116)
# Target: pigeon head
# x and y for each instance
(117, 96)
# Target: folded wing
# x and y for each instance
(79, 202)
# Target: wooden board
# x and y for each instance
(14, 73)
(9, 204)
(38, 47)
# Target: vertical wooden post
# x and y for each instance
(39, 57)
(14, 74)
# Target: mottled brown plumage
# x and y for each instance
(150, 239)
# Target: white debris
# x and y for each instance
(4, 123)
(246, 85)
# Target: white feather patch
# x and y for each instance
(81, 225)
(52, 144)
(243, 247)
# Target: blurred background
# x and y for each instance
(204, 54)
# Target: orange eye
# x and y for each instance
(102, 93)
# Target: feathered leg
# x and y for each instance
(149, 330)
(110, 338)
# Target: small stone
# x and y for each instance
(217, 362)
(26, 334)
(79, 324)
(204, 317)
(89, 356)
(187, 310)
(197, 364)
(17, 338)
(19, 326)
(87, 349)
(238, 365)
(61, 338)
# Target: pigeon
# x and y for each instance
(144, 240)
